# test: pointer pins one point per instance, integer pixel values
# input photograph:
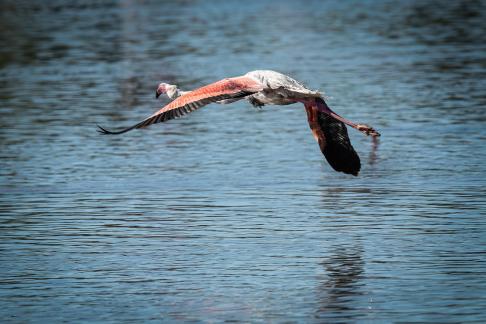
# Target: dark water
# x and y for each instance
(231, 214)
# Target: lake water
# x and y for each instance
(231, 213)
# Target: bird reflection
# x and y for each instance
(344, 268)
(375, 142)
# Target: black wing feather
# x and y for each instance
(338, 149)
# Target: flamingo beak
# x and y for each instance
(160, 90)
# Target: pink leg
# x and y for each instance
(367, 130)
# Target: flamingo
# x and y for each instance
(265, 87)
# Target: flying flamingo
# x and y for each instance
(264, 87)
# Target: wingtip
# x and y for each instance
(104, 131)
(353, 172)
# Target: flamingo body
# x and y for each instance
(279, 89)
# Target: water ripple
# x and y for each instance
(231, 214)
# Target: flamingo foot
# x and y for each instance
(367, 130)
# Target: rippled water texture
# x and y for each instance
(231, 213)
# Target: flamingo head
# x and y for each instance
(172, 91)
(162, 88)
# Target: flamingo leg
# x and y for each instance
(367, 130)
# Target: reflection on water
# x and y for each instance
(343, 269)
(231, 213)
(375, 142)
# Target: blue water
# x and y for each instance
(231, 213)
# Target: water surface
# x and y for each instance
(231, 213)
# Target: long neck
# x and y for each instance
(174, 92)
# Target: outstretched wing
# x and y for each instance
(233, 88)
(333, 140)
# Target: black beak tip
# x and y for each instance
(157, 94)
